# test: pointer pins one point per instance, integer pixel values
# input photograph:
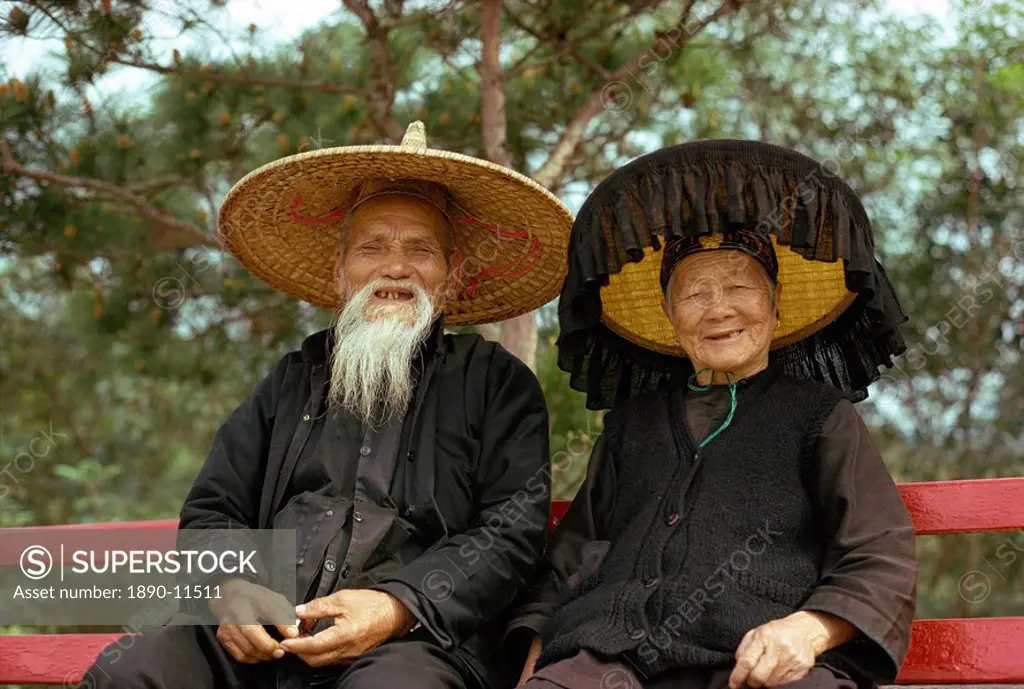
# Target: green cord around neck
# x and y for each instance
(731, 380)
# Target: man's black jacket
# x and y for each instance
(476, 445)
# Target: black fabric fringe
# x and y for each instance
(705, 187)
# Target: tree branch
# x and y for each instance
(492, 90)
(635, 9)
(568, 46)
(244, 79)
(518, 335)
(11, 166)
(150, 186)
(522, 65)
(419, 17)
(381, 92)
(464, 73)
(978, 139)
(561, 153)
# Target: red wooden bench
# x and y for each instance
(942, 652)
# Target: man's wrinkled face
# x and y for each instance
(398, 241)
(391, 276)
(721, 307)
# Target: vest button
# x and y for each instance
(330, 565)
(651, 582)
(364, 451)
(637, 634)
(358, 516)
(672, 519)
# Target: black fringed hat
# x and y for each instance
(840, 317)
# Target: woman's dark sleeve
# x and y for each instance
(577, 546)
(869, 576)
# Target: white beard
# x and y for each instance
(374, 347)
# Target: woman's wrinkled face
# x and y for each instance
(721, 308)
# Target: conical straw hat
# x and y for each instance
(282, 220)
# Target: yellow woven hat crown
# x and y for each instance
(814, 293)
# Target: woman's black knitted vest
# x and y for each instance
(704, 545)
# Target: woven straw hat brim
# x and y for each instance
(281, 222)
(814, 294)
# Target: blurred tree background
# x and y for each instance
(128, 336)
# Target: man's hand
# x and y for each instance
(363, 620)
(784, 650)
(243, 601)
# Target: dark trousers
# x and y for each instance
(190, 657)
(583, 671)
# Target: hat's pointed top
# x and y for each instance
(415, 136)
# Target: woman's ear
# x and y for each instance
(666, 297)
(778, 308)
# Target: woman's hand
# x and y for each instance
(784, 650)
(531, 661)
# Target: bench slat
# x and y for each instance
(936, 507)
(970, 506)
(946, 507)
(151, 535)
(964, 651)
(49, 658)
(952, 651)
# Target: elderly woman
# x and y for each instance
(736, 525)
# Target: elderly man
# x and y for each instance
(412, 464)
(737, 526)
